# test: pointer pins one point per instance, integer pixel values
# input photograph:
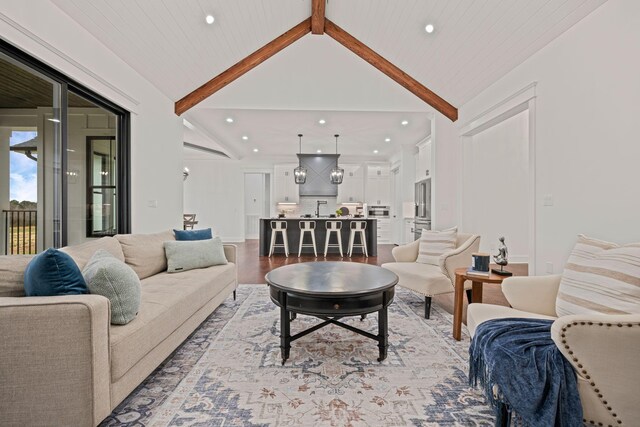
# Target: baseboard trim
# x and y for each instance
(232, 239)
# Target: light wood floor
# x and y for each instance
(252, 269)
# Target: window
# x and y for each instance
(102, 200)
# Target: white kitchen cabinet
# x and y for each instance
(423, 160)
(352, 188)
(285, 188)
(378, 189)
(408, 235)
(384, 230)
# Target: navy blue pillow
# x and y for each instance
(53, 272)
(203, 234)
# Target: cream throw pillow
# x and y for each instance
(435, 243)
(145, 252)
(600, 277)
(183, 255)
(83, 252)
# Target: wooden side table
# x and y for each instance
(476, 294)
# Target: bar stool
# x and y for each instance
(279, 227)
(358, 228)
(307, 227)
(333, 227)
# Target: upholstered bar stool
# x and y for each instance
(279, 227)
(358, 228)
(307, 227)
(333, 227)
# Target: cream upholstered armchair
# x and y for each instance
(603, 349)
(427, 279)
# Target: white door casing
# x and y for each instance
(254, 203)
(396, 208)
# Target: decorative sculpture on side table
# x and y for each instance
(502, 259)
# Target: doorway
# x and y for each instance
(396, 209)
(256, 202)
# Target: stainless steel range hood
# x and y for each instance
(318, 171)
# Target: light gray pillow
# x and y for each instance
(189, 254)
(108, 276)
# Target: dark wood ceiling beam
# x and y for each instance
(402, 78)
(317, 16)
(247, 64)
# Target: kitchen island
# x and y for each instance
(293, 231)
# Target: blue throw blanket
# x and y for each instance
(536, 384)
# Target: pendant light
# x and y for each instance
(337, 173)
(300, 173)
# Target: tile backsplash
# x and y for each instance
(307, 205)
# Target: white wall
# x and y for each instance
(495, 199)
(50, 35)
(214, 191)
(586, 117)
(445, 144)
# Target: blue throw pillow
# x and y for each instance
(53, 273)
(203, 234)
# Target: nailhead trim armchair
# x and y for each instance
(603, 349)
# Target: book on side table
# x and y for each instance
(472, 272)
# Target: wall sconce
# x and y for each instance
(185, 173)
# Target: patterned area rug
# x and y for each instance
(229, 373)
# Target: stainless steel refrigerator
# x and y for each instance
(423, 207)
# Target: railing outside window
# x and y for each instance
(20, 231)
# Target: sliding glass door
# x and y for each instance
(92, 170)
(64, 159)
(30, 160)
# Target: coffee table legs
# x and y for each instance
(286, 338)
(383, 334)
(285, 332)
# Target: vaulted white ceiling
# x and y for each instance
(169, 43)
(475, 42)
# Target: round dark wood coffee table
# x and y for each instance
(331, 291)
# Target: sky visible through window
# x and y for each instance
(23, 171)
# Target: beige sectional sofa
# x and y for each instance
(63, 363)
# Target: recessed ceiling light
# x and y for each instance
(322, 121)
(403, 123)
(245, 137)
(387, 140)
(318, 151)
(429, 28)
(209, 19)
(229, 120)
(255, 150)
(375, 151)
